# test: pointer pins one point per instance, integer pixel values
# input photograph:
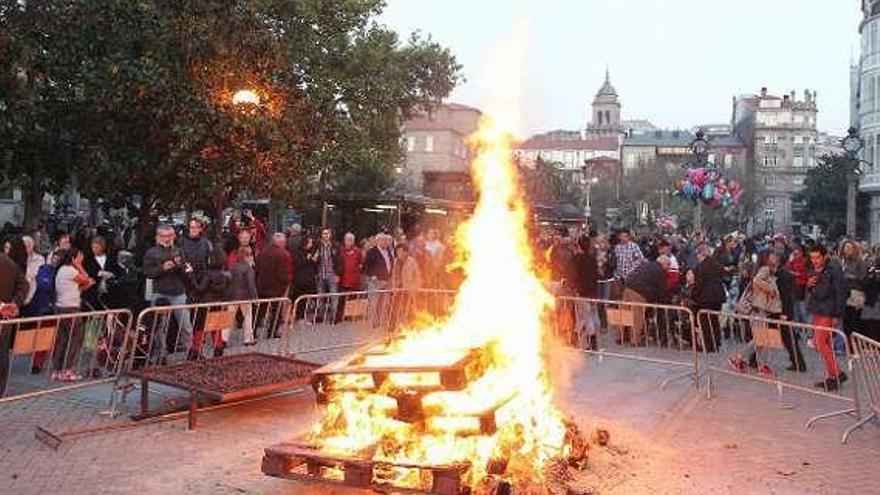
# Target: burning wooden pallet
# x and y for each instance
(358, 373)
(306, 464)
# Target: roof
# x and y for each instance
(660, 138)
(729, 141)
(437, 121)
(542, 142)
(607, 89)
(459, 106)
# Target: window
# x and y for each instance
(769, 180)
(798, 161)
(798, 119)
(599, 118)
(607, 117)
(798, 181)
(711, 158)
(770, 202)
(410, 143)
(798, 139)
(429, 144)
(728, 160)
(771, 161)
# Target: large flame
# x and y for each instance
(501, 308)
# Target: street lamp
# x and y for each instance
(700, 149)
(590, 182)
(852, 145)
(246, 97)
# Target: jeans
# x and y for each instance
(184, 325)
(823, 340)
(247, 313)
(68, 342)
(376, 303)
(586, 322)
(6, 338)
(328, 286)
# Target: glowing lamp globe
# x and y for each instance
(245, 97)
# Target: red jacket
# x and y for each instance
(798, 267)
(350, 261)
(258, 231)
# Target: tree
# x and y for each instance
(546, 182)
(824, 198)
(36, 146)
(149, 87)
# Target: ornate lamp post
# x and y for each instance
(700, 150)
(852, 145)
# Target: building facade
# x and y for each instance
(605, 112)
(671, 149)
(574, 151)
(866, 109)
(782, 136)
(437, 157)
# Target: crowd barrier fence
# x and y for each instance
(865, 364)
(60, 352)
(170, 335)
(659, 334)
(776, 352)
(326, 324)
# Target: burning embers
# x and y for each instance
(460, 402)
(439, 405)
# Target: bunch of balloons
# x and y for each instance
(666, 222)
(707, 185)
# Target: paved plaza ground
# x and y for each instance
(671, 441)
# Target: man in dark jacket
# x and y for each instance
(708, 294)
(274, 274)
(646, 284)
(378, 267)
(165, 265)
(196, 247)
(13, 291)
(785, 282)
(826, 300)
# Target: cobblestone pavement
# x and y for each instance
(670, 441)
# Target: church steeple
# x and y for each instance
(605, 120)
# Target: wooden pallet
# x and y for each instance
(453, 377)
(411, 410)
(306, 464)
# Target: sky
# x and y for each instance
(677, 63)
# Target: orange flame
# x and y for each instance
(500, 308)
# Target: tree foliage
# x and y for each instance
(824, 197)
(136, 96)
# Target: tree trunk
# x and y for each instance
(32, 195)
(218, 205)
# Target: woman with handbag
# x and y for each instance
(855, 270)
(761, 298)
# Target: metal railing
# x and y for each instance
(655, 333)
(865, 364)
(325, 325)
(172, 334)
(782, 353)
(60, 352)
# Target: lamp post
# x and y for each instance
(852, 145)
(700, 151)
(590, 182)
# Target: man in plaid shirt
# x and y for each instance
(627, 256)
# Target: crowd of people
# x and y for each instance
(176, 269)
(796, 280)
(780, 278)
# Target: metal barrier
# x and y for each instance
(654, 333)
(865, 364)
(326, 324)
(60, 352)
(776, 352)
(169, 335)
